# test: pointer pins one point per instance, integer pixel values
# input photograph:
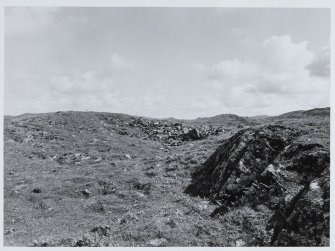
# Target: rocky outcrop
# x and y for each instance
(172, 133)
(277, 167)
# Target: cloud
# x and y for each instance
(86, 58)
(280, 54)
(103, 88)
(24, 20)
(320, 66)
(233, 70)
(276, 81)
(94, 83)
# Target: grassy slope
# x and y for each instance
(144, 198)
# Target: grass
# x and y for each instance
(129, 202)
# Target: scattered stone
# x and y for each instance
(9, 231)
(40, 243)
(97, 159)
(11, 172)
(141, 195)
(85, 158)
(127, 156)
(314, 186)
(145, 187)
(86, 193)
(37, 190)
(97, 207)
(203, 206)
(106, 187)
(170, 168)
(172, 223)
(158, 242)
(240, 243)
(151, 174)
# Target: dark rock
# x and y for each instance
(145, 187)
(270, 166)
(97, 207)
(193, 134)
(86, 193)
(37, 190)
(151, 174)
(235, 164)
(172, 223)
(40, 243)
(106, 187)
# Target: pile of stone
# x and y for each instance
(172, 133)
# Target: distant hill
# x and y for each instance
(233, 120)
(226, 120)
(306, 113)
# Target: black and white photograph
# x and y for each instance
(166, 126)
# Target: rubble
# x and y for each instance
(174, 134)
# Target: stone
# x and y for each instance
(158, 242)
(240, 243)
(193, 134)
(271, 167)
(37, 190)
(86, 193)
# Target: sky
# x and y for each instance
(166, 62)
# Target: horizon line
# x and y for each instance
(84, 111)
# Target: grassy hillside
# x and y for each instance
(88, 178)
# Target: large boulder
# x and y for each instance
(271, 166)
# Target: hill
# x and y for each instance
(96, 179)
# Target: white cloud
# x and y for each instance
(23, 20)
(280, 54)
(275, 82)
(320, 66)
(104, 88)
(59, 59)
(234, 70)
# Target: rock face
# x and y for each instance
(276, 167)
